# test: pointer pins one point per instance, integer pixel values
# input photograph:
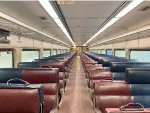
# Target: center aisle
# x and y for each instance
(76, 98)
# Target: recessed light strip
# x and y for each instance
(27, 26)
(131, 6)
(126, 34)
(49, 9)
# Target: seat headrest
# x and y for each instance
(140, 89)
(9, 73)
(59, 65)
(106, 61)
(40, 60)
(40, 76)
(29, 65)
(138, 75)
(121, 66)
(118, 76)
(111, 88)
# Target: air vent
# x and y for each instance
(65, 2)
(3, 36)
(145, 8)
(4, 33)
(43, 18)
(5, 41)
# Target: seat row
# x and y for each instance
(126, 84)
(42, 86)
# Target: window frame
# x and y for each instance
(58, 50)
(107, 50)
(147, 49)
(52, 52)
(99, 51)
(31, 50)
(120, 49)
(47, 50)
(102, 50)
(12, 50)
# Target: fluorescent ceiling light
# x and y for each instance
(27, 26)
(131, 6)
(126, 34)
(49, 9)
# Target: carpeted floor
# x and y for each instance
(76, 98)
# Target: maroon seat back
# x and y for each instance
(97, 75)
(40, 75)
(50, 103)
(109, 101)
(19, 101)
(50, 81)
(59, 65)
(112, 88)
(50, 89)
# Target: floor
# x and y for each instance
(76, 98)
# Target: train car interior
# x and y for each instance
(74, 56)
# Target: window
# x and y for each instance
(54, 52)
(62, 51)
(46, 53)
(65, 50)
(59, 51)
(98, 51)
(109, 52)
(6, 58)
(95, 50)
(102, 51)
(120, 53)
(29, 55)
(140, 55)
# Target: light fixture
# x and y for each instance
(126, 34)
(131, 6)
(49, 9)
(4, 16)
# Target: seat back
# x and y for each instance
(115, 101)
(121, 66)
(9, 73)
(40, 75)
(118, 76)
(111, 101)
(118, 68)
(138, 75)
(112, 88)
(55, 64)
(21, 99)
(29, 65)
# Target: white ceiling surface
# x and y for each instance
(85, 17)
(29, 12)
(134, 20)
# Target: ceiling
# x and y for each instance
(134, 20)
(84, 18)
(29, 12)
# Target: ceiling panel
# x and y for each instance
(132, 21)
(96, 22)
(85, 17)
(29, 12)
(89, 9)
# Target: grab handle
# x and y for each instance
(16, 80)
(132, 107)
